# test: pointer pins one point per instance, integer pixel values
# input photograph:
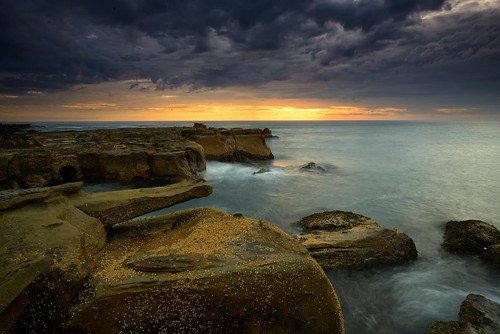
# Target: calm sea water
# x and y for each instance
(414, 176)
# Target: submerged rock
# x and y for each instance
(477, 315)
(339, 239)
(262, 171)
(202, 270)
(313, 167)
(473, 237)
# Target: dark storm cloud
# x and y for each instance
(372, 46)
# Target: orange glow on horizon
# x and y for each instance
(109, 102)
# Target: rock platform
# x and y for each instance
(40, 159)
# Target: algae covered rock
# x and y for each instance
(339, 239)
(473, 237)
(470, 236)
(205, 271)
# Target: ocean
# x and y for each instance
(410, 175)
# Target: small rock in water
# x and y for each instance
(313, 167)
(262, 171)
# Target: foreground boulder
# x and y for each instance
(339, 239)
(473, 237)
(202, 271)
(477, 315)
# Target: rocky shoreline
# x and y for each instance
(38, 159)
(68, 257)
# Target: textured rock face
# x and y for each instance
(42, 159)
(232, 144)
(234, 148)
(473, 237)
(45, 247)
(477, 315)
(338, 239)
(115, 154)
(204, 271)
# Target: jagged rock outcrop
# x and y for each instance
(477, 315)
(339, 239)
(473, 237)
(202, 271)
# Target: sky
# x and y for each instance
(94, 60)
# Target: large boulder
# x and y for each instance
(204, 271)
(46, 246)
(339, 239)
(477, 315)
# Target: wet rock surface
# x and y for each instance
(473, 237)
(202, 270)
(477, 315)
(339, 239)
